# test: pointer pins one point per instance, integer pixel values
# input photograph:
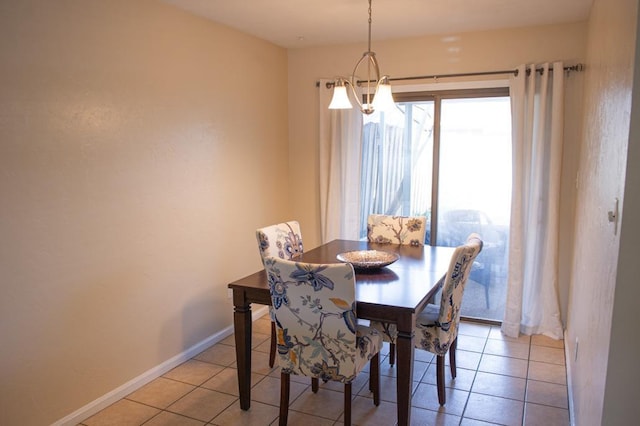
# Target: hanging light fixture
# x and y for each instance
(377, 93)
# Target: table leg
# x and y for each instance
(242, 329)
(404, 346)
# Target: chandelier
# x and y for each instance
(377, 90)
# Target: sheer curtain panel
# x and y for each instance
(340, 152)
(537, 100)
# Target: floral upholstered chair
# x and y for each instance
(283, 240)
(318, 334)
(384, 229)
(436, 327)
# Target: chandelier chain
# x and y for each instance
(369, 44)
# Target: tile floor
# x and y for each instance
(500, 381)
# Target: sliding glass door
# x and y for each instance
(447, 156)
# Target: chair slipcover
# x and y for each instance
(436, 332)
(283, 240)
(384, 229)
(317, 330)
(318, 334)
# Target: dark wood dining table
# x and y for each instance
(395, 293)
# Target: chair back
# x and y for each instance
(446, 329)
(283, 240)
(314, 310)
(407, 230)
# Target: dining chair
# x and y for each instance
(283, 240)
(318, 333)
(436, 328)
(386, 229)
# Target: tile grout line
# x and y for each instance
(475, 375)
(526, 388)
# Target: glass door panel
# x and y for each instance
(397, 162)
(474, 194)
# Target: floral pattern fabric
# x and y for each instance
(315, 313)
(384, 229)
(283, 240)
(437, 329)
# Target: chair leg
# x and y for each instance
(314, 384)
(392, 353)
(284, 398)
(272, 350)
(452, 357)
(374, 378)
(347, 404)
(440, 379)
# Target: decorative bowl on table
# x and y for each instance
(368, 259)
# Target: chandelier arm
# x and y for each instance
(372, 62)
(352, 86)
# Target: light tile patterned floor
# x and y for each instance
(500, 381)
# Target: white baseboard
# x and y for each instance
(568, 363)
(115, 395)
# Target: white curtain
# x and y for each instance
(340, 151)
(532, 291)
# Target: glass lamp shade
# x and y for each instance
(340, 99)
(383, 99)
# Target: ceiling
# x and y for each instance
(305, 23)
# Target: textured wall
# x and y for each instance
(622, 392)
(603, 160)
(133, 148)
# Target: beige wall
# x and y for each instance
(454, 53)
(596, 291)
(134, 144)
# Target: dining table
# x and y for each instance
(394, 293)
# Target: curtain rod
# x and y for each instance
(577, 67)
